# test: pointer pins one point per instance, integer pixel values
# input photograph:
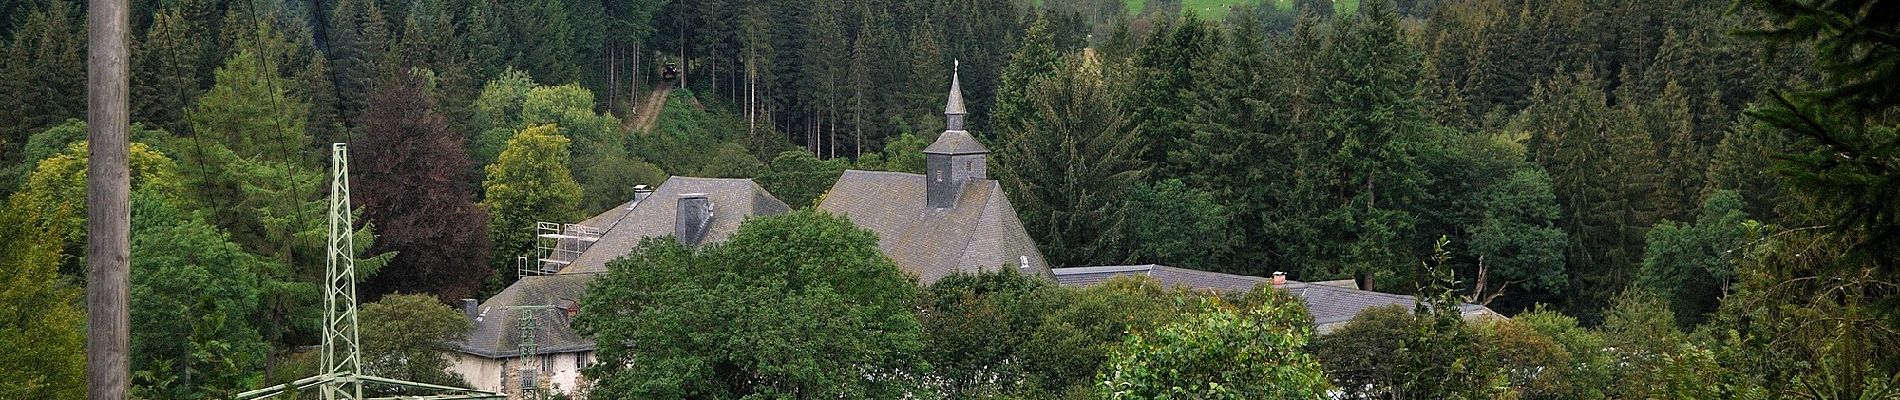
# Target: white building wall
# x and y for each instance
(559, 372)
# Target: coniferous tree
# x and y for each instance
(1361, 162)
(1036, 59)
(929, 77)
(1068, 165)
(410, 180)
(165, 71)
(1163, 72)
(1240, 147)
(45, 73)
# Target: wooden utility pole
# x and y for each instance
(108, 198)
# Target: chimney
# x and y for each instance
(1279, 278)
(694, 216)
(640, 193)
(468, 308)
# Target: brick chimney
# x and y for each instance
(695, 213)
(1279, 278)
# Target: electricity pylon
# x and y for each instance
(342, 376)
(341, 355)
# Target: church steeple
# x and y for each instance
(956, 157)
(953, 109)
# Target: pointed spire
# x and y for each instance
(953, 108)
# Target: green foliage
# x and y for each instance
(250, 111)
(165, 69)
(529, 183)
(54, 195)
(1690, 266)
(513, 102)
(197, 306)
(1430, 353)
(1081, 327)
(1170, 223)
(1361, 163)
(407, 337)
(1517, 240)
(44, 324)
(1068, 165)
(1036, 60)
(1162, 73)
(1654, 360)
(793, 305)
(690, 140)
(799, 179)
(44, 71)
(904, 153)
(1538, 365)
(1224, 354)
(977, 328)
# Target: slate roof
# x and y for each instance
(733, 201)
(982, 232)
(954, 105)
(1330, 305)
(496, 333)
(955, 142)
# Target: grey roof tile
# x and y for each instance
(955, 142)
(734, 200)
(496, 333)
(982, 232)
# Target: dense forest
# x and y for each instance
(1673, 198)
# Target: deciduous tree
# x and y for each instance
(408, 176)
(798, 305)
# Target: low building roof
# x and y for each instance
(497, 328)
(981, 232)
(496, 332)
(734, 200)
(1331, 306)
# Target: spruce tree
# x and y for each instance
(1036, 59)
(45, 73)
(1240, 146)
(165, 72)
(1367, 124)
(1070, 164)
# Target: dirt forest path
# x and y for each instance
(649, 109)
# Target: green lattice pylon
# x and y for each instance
(342, 357)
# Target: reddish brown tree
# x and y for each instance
(408, 176)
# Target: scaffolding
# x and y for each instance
(556, 246)
(342, 359)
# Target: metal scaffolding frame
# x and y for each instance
(555, 246)
(342, 374)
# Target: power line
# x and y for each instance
(265, 71)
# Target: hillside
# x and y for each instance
(1216, 9)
